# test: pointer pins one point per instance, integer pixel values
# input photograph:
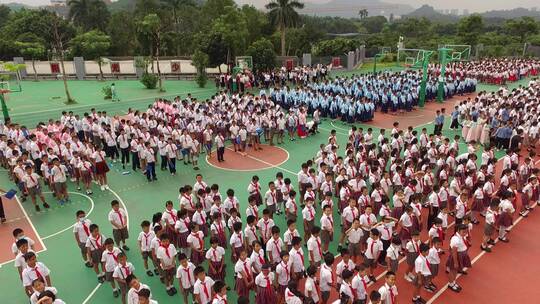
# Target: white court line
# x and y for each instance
(92, 293)
(340, 128)
(30, 222)
(13, 260)
(481, 254)
(67, 228)
(338, 132)
(267, 163)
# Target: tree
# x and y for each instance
(363, 13)
(214, 45)
(176, 6)
(374, 24)
(262, 52)
(31, 46)
(62, 33)
(284, 15)
(152, 26)
(89, 14)
(91, 45)
(4, 14)
(257, 23)
(200, 61)
(334, 47)
(232, 27)
(122, 30)
(469, 28)
(523, 27)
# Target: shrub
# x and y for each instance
(107, 92)
(149, 80)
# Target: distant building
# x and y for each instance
(465, 12)
(58, 2)
(534, 9)
(454, 11)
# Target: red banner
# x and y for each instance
(175, 67)
(336, 61)
(289, 64)
(55, 68)
(115, 67)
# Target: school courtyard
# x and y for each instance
(495, 274)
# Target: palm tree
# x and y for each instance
(283, 14)
(363, 13)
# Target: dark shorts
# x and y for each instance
(146, 255)
(82, 247)
(120, 235)
(96, 256)
(369, 262)
(109, 276)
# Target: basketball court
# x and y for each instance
(491, 277)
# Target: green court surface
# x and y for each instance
(75, 282)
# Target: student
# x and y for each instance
(492, 214)
(81, 229)
(20, 263)
(413, 250)
(166, 255)
(374, 297)
(274, 247)
(181, 228)
(169, 218)
(216, 260)
(434, 261)
(327, 281)
(94, 251)
(144, 243)
(202, 290)
(392, 254)
(257, 258)
(48, 297)
(220, 293)
(265, 225)
(244, 274)
(118, 219)
(135, 288)
(34, 270)
(354, 235)
(345, 264)
(237, 241)
(149, 155)
(297, 258)
(308, 214)
(315, 247)
(506, 209)
(39, 287)
(389, 291)
(270, 198)
(59, 178)
(422, 273)
(264, 282)
(291, 209)
(120, 273)
(374, 249)
(345, 287)
(327, 228)
(101, 168)
(196, 243)
(283, 276)
(32, 186)
(186, 277)
(457, 259)
(311, 289)
(145, 297)
(360, 284)
(109, 261)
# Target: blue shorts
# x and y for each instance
(185, 151)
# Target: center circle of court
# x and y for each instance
(251, 160)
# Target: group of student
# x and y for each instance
(496, 71)
(383, 189)
(503, 118)
(356, 98)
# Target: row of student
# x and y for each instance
(497, 71)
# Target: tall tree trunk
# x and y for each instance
(177, 31)
(282, 30)
(157, 62)
(34, 68)
(100, 70)
(64, 78)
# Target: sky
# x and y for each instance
(473, 6)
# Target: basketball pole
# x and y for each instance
(4, 106)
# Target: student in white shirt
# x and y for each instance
(122, 270)
(327, 278)
(310, 286)
(166, 254)
(186, 277)
(136, 289)
(202, 289)
(422, 273)
(34, 270)
(388, 291)
(220, 293)
(39, 288)
(360, 283)
(109, 261)
(118, 219)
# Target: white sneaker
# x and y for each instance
(102, 188)
(106, 187)
(407, 278)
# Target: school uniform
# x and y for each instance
(297, 258)
(196, 240)
(374, 248)
(241, 268)
(145, 240)
(342, 265)
(186, 277)
(422, 267)
(133, 294)
(327, 229)
(311, 287)
(119, 218)
(215, 257)
(110, 258)
(392, 252)
(388, 293)
(39, 271)
(434, 261)
(95, 245)
(283, 273)
(360, 286)
(315, 250)
(265, 290)
(274, 247)
(204, 290)
(166, 257)
(413, 250)
(458, 242)
(82, 229)
(121, 272)
(354, 237)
